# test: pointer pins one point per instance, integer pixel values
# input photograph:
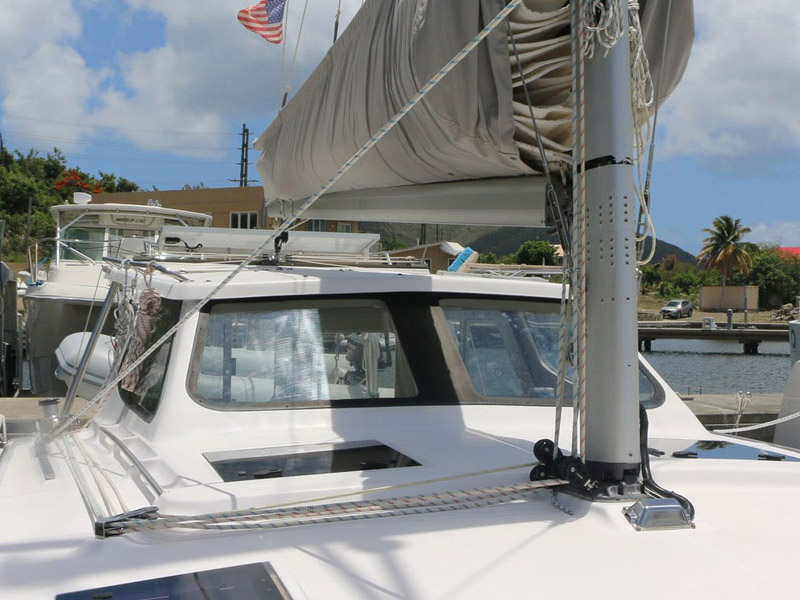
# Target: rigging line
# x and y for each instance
(283, 55)
(137, 130)
(349, 511)
(294, 58)
(579, 34)
(790, 417)
(305, 205)
(566, 245)
(384, 488)
(644, 205)
(336, 23)
(550, 192)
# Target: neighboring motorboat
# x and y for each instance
(66, 297)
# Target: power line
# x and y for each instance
(115, 144)
(152, 160)
(136, 130)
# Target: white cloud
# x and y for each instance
(209, 75)
(783, 233)
(736, 108)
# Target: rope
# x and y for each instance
(566, 245)
(283, 55)
(603, 22)
(345, 511)
(759, 425)
(643, 95)
(305, 205)
(294, 57)
(578, 34)
(146, 316)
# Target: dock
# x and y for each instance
(750, 336)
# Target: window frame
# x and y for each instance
(250, 216)
(146, 412)
(440, 375)
(203, 330)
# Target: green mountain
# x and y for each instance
(499, 240)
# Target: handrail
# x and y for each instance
(33, 264)
(146, 264)
(134, 460)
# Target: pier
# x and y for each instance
(750, 336)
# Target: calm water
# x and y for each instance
(690, 366)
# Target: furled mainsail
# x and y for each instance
(474, 125)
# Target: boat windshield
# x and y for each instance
(94, 236)
(510, 349)
(281, 354)
(95, 243)
(294, 353)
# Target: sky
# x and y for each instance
(157, 91)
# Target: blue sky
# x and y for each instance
(157, 91)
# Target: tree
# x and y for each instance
(39, 182)
(777, 276)
(723, 248)
(536, 253)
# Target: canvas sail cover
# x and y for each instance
(474, 125)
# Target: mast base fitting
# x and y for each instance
(555, 464)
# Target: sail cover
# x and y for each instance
(475, 124)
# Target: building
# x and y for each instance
(236, 207)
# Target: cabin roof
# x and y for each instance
(259, 281)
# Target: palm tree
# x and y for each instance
(724, 249)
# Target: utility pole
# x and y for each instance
(243, 158)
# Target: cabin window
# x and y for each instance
(141, 389)
(81, 243)
(510, 349)
(298, 353)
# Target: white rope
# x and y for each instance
(603, 25)
(579, 33)
(305, 205)
(759, 425)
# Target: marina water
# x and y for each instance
(693, 367)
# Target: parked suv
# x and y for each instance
(675, 309)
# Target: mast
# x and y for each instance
(612, 386)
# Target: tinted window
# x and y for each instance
(289, 353)
(141, 389)
(510, 349)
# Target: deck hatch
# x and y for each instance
(256, 581)
(311, 459)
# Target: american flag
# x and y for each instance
(265, 19)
